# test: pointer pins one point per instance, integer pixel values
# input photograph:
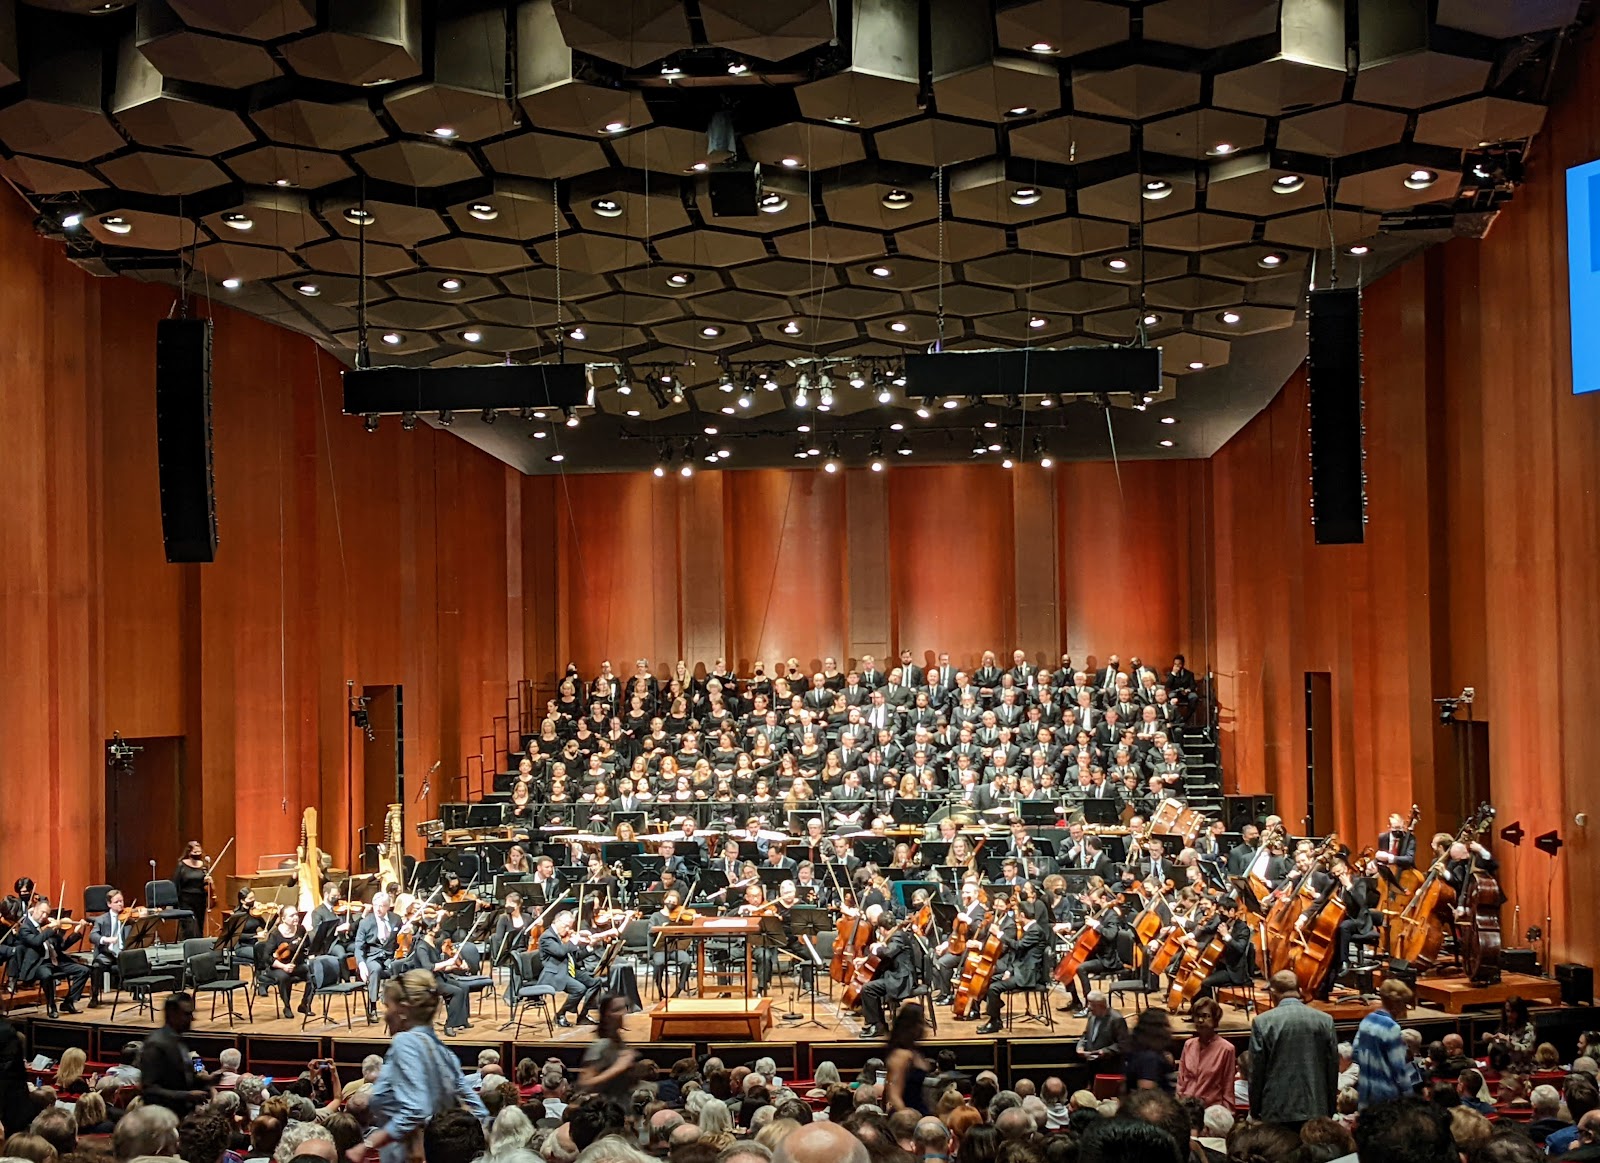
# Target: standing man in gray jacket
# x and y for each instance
(1294, 1058)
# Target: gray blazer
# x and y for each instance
(1294, 1067)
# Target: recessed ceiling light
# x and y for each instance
(880, 272)
(309, 290)
(792, 327)
(1288, 184)
(710, 331)
(1026, 195)
(472, 336)
(738, 69)
(445, 132)
(1358, 250)
(393, 338)
(1117, 264)
(774, 203)
(923, 413)
(1165, 443)
(1222, 149)
(556, 457)
(897, 199)
(791, 163)
(1230, 317)
(1274, 259)
(607, 207)
(711, 430)
(359, 216)
(1169, 419)
(1021, 111)
(238, 221)
(232, 284)
(841, 119)
(633, 412)
(1041, 46)
(728, 409)
(451, 285)
(1152, 319)
(1196, 364)
(616, 126)
(376, 81)
(483, 211)
(699, 168)
(1155, 190)
(671, 71)
(283, 182)
(1421, 179)
(679, 279)
(897, 325)
(116, 224)
(951, 403)
(991, 423)
(578, 333)
(1037, 322)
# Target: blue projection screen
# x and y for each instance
(1583, 273)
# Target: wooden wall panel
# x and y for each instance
(701, 543)
(868, 528)
(1035, 553)
(609, 542)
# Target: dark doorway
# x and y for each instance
(143, 792)
(1319, 753)
(383, 763)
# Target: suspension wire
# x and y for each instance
(938, 182)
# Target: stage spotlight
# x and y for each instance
(904, 447)
(408, 421)
(446, 418)
(488, 415)
(1447, 711)
(832, 463)
(372, 422)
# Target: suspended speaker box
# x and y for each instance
(183, 440)
(1338, 477)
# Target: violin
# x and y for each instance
(681, 914)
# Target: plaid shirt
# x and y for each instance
(1380, 1055)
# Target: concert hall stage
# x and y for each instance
(277, 1046)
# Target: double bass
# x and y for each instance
(1197, 965)
(1417, 932)
(1398, 886)
(1478, 918)
(1316, 942)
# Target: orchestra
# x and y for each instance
(964, 837)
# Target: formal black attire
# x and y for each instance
(191, 885)
(41, 957)
(893, 981)
(1021, 966)
(166, 1074)
(560, 970)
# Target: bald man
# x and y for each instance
(821, 1143)
(931, 1138)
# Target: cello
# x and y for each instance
(978, 971)
(1416, 933)
(863, 973)
(1084, 945)
(1196, 967)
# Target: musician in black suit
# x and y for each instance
(1464, 857)
(1397, 848)
(949, 958)
(560, 949)
(280, 967)
(1352, 891)
(1107, 961)
(1097, 861)
(893, 980)
(1233, 968)
(1021, 966)
(107, 937)
(374, 948)
(666, 951)
(42, 957)
(327, 968)
(1243, 854)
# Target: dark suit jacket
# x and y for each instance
(1024, 958)
(1107, 1033)
(1294, 1075)
(367, 945)
(1405, 857)
(1240, 857)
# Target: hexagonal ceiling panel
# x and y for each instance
(1202, 148)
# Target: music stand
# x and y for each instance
(1107, 813)
(425, 877)
(805, 922)
(910, 811)
(322, 940)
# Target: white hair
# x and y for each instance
(486, 1056)
(230, 1059)
(381, 898)
(371, 1067)
(766, 1067)
(1346, 1050)
(1545, 1099)
(294, 1135)
(1218, 1121)
(612, 1149)
(511, 1131)
(1096, 995)
(714, 1117)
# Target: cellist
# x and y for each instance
(1352, 892)
(1233, 968)
(894, 977)
(953, 951)
(1022, 966)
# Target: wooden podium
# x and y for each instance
(735, 1014)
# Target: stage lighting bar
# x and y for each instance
(1037, 372)
(505, 387)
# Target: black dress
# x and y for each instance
(191, 886)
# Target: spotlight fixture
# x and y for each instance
(825, 399)
(1196, 365)
(710, 429)
(446, 418)
(1358, 250)
(359, 216)
(923, 411)
(1421, 179)
(1026, 195)
(1047, 401)
(671, 72)
(1169, 419)
(1271, 260)
(450, 285)
(951, 404)
(710, 331)
(1447, 711)
(309, 290)
(897, 199)
(792, 327)
(841, 119)
(238, 221)
(572, 417)
(1165, 443)
(1041, 46)
(1229, 317)
(616, 126)
(1021, 111)
(904, 447)
(857, 380)
(116, 224)
(663, 460)
(799, 450)
(725, 381)
(633, 413)
(1155, 190)
(445, 133)
(483, 211)
(738, 69)
(1288, 184)
(489, 415)
(1151, 319)
(897, 326)
(880, 272)
(875, 453)
(408, 421)
(773, 203)
(679, 279)
(232, 284)
(790, 163)
(1116, 264)
(832, 463)
(885, 396)
(556, 457)
(802, 399)
(1041, 451)
(1222, 149)
(72, 222)
(538, 434)
(746, 400)
(606, 207)
(393, 338)
(371, 422)
(577, 334)
(1037, 322)
(980, 444)
(472, 336)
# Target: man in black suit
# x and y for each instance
(1106, 1033)
(374, 949)
(1097, 861)
(1105, 679)
(1243, 854)
(894, 977)
(1021, 966)
(949, 958)
(1234, 967)
(910, 672)
(1351, 891)
(107, 936)
(1397, 848)
(42, 957)
(871, 677)
(855, 691)
(1061, 678)
(1023, 672)
(987, 677)
(559, 948)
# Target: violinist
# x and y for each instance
(670, 951)
(375, 942)
(448, 963)
(327, 968)
(509, 930)
(811, 891)
(192, 878)
(41, 955)
(281, 956)
(951, 953)
(600, 880)
(560, 946)
(1021, 966)
(107, 936)
(764, 954)
(893, 947)
(517, 862)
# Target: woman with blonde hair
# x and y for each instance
(70, 1081)
(716, 1124)
(420, 1077)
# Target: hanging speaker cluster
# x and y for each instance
(1338, 460)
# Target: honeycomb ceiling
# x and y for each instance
(545, 179)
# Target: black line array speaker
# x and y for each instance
(1240, 810)
(1338, 476)
(183, 439)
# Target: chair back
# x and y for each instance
(94, 899)
(473, 957)
(197, 945)
(133, 963)
(160, 894)
(636, 936)
(202, 968)
(522, 970)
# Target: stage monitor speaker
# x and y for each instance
(1238, 810)
(1577, 984)
(183, 439)
(1338, 478)
(1519, 960)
